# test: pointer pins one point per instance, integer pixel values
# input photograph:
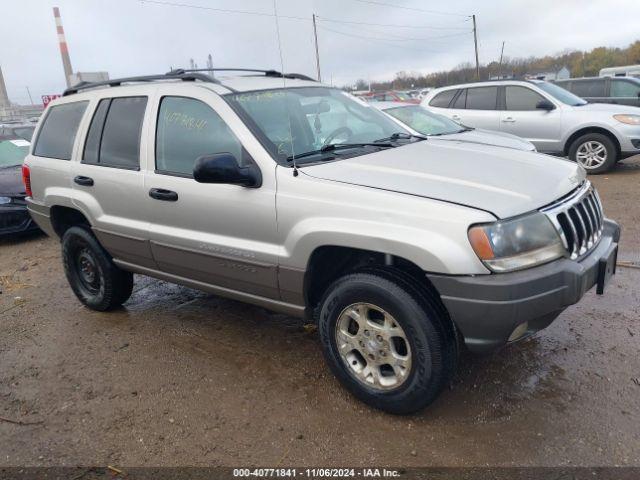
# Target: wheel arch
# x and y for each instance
(63, 218)
(592, 129)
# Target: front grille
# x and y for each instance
(578, 218)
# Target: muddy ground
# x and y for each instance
(179, 377)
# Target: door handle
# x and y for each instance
(455, 117)
(84, 181)
(509, 119)
(162, 194)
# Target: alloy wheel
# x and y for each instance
(373, 346)
(591, 154)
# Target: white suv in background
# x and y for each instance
(553, 119)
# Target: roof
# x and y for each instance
(506, 81)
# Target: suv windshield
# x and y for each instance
(423, 121)
(12, 152)
(297, 122)
(561, 94)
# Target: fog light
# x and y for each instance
(519, 332)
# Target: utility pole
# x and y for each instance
(475, 40)
(501, 54)
(315, 35)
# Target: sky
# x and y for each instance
(369, 39)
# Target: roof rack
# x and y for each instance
(267, 73)
(181, 74)
(116, 82)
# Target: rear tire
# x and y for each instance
(595, 152)
(391, 347)
(94, 278)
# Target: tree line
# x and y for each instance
(580, 64)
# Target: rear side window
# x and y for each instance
(58, 132)
(482, 98)
(588, 88)
(114, 135)
(624, 88)
(443, 99)
(522, 98)
(187, 129)
(461, 101)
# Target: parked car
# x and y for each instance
(625, 71)
(14, 217)
(554, 120)
(393, 96)
(421, 121)
(621, 90)
(16, 131)
(300, 198)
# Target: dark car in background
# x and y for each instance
(14, 217)
(621, 90)
(393, 96)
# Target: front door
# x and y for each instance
(521, 117)
(216, 234)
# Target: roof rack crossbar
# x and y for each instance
(116, 82)
(267, 73)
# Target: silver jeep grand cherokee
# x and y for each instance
(280, 191)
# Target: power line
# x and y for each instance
(421, 27)
(222, 10)
(378, 39)
(372, 2)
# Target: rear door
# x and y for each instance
(477, 107)
(625, 91)
(108, 181)
(217, 234)
(521, 117)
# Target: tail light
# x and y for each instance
(26, 179)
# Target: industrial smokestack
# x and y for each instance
(64, 50)
(4, 98)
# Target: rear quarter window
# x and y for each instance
(58, 131)
(443, 99)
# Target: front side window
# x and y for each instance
(443, 99)
(187, 129)
(482, 98)
(423, 121)
(625, 88)
(296, 121)
(522, 98)
(58, 132)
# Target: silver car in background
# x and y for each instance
(423, 122)
(553, 119)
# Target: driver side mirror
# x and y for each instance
(224, 168)
(545, 105)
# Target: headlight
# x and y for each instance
(518, 243)
(5, 200)
(628, 119)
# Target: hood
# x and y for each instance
(608, 108)
(11, 182)
(505, 182)
(488, 137)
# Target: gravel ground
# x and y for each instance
(179, 377)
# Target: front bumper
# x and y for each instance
(15, 218)
(487, 309)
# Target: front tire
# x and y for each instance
(94, 278)
(595, 152)
(388, 345)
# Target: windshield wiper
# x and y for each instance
(401, 136)
(339, 146)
